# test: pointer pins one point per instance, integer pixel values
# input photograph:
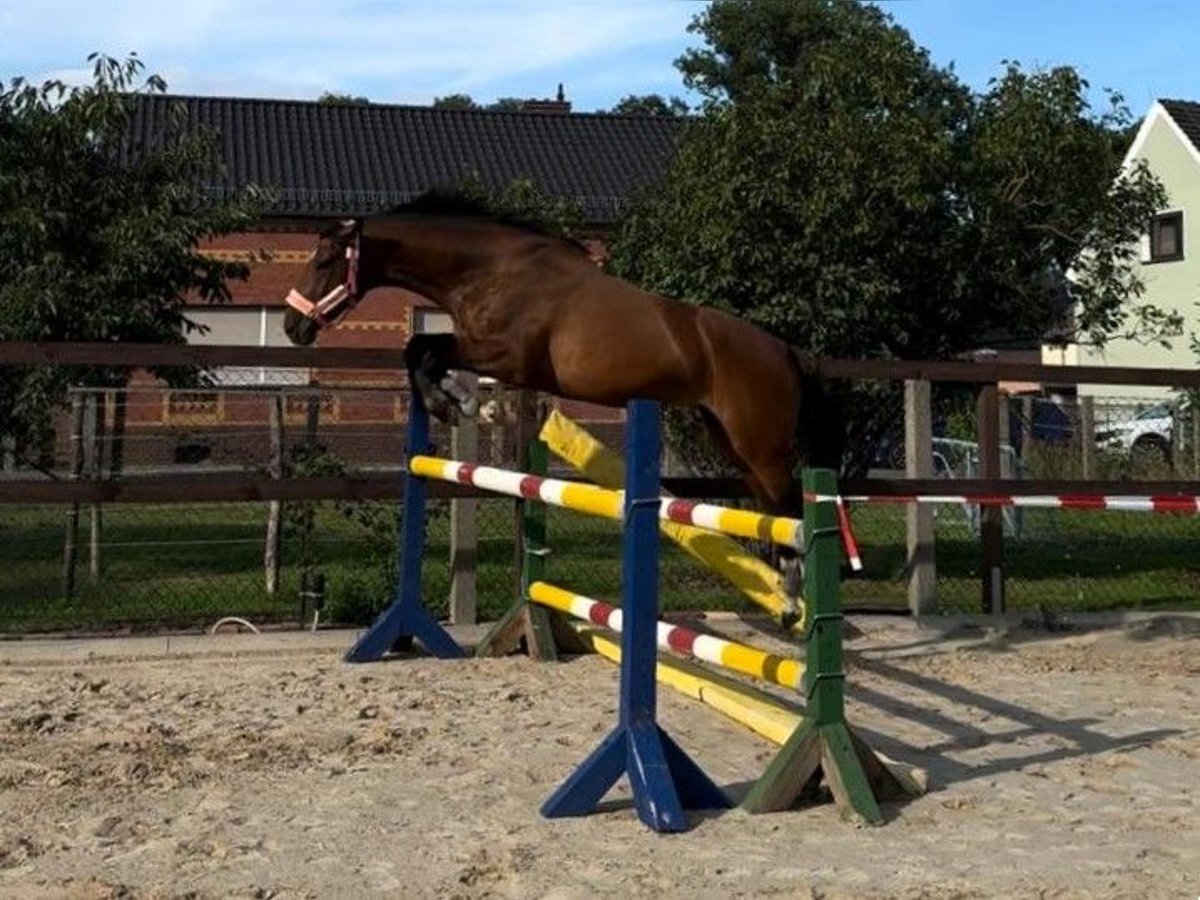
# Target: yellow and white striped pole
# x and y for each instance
(597, 501)
(737, 657)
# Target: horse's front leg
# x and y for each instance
(429, 358)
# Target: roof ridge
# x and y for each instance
(1184, 117)
(372, 104)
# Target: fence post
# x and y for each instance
(274, 507)
(120, 405)
(71, 539)
(93, 467)
(312, 421)
(464, 521)
(525, 430)
(1004, 434)
(991, 519)
(498, 426)
(312, 429)
(1026, 431)
(1087, 435)
(918, 463)
(1196, 435)
(1179, 464)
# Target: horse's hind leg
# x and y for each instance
(765, 467)
(780, 496)
(762, 447)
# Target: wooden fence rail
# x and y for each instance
(250, 487)
(208, 356)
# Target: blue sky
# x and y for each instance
(410, 51)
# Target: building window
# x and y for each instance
(1166, 237)
(431, 321)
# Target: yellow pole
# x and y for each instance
(760, 583)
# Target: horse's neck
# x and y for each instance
(439, 263)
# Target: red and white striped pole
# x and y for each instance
(779, 670)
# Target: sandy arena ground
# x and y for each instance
(1063, 764)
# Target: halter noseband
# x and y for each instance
(330, 309)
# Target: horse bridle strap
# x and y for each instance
(333, 306)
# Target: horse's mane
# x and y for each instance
(453, 203)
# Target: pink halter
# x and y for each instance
(330, 309)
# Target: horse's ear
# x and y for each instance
(342, 231)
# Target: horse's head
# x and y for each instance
(329, 287)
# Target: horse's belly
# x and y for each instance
(615, 377)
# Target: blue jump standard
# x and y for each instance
(664, 779)
(407, 617)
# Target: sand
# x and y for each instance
(1062, 764)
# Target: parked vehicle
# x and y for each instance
(1049, 424)
(1148, 434)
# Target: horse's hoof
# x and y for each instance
(469, 406)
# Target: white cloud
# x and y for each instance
(404, 50)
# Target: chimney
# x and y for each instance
(560, 105)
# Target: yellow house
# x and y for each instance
(1169, 142)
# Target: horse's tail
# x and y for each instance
(821, 423)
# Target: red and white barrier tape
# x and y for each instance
(1132, 503)
(849, 544)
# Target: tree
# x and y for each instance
(98, 232)
(650, 105)
(343, 99)
(844, 192)
(506, 104)
(523, 199)
(464, 101)
(455, 101)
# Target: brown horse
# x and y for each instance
(534, 311)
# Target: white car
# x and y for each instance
(1147, 434)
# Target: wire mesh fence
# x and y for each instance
(98, 567)
(1055, 560)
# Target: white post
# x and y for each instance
(464, 521)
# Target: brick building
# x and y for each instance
(326, 161)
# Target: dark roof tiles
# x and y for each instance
(1187, 116)
(343, 159)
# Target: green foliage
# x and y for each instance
(343, 99)
(455, 101)
(506, 104)
(523, 199)
(650, 105)
(844, 192)
(357, 598)
(99, 230)
(465, 101)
